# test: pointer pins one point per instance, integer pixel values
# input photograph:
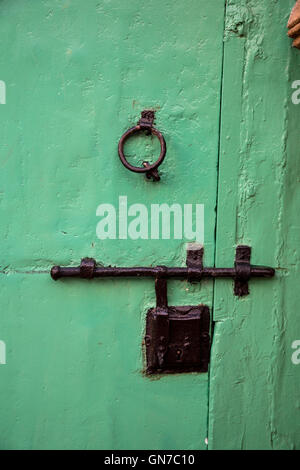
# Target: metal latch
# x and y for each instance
(177, 338)
(195, 271)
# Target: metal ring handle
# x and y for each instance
(144, 124)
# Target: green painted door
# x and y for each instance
(77, 75)
(255, 367)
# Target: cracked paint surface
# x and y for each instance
(254, 386)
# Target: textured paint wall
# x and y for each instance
(254, 386)
(78, 74)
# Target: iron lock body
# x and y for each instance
(177, 339)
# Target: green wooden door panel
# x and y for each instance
(77, 75)
(254, 385)
(73, 374)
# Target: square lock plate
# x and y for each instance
(177, 339)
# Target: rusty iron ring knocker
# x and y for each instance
(144, 124)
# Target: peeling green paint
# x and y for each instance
(254, 385)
